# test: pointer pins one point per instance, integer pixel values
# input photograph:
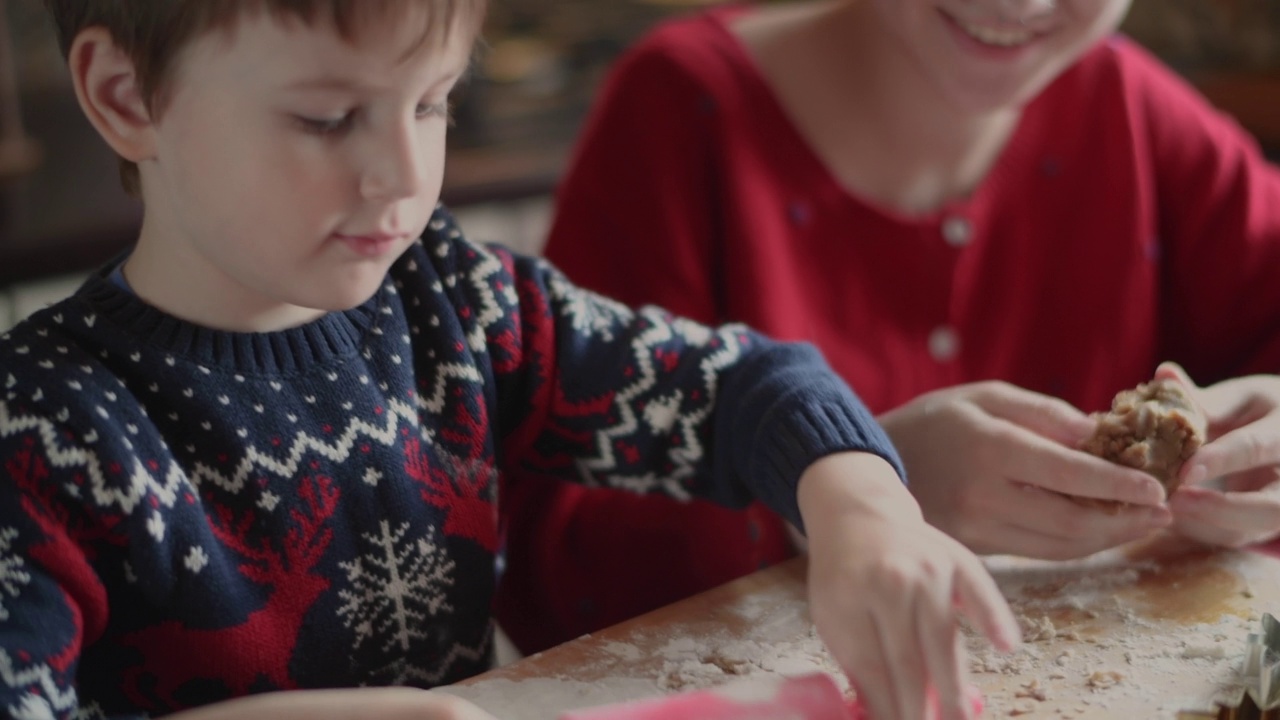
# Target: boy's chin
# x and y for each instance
(337, 296)
(337, 301)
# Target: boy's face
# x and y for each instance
(291, 168)
(994, 54)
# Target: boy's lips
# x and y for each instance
(371, 245)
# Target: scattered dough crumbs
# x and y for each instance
(1103, 679)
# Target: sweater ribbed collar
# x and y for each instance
(329, 338)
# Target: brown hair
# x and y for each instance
(153, 32)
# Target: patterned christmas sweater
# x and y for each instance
(189, 515)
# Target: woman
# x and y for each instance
(940, 194)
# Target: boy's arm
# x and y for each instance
(653, 403)
(589, 390)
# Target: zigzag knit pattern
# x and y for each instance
(188, 515)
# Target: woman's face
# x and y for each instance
(985, 55)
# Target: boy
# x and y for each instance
(262, 453)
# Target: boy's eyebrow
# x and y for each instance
(328, 83)
(347, 84)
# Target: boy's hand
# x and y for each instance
(387, 703)
(885, 588)
(1244, 451)
(989, 464)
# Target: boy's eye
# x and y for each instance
(325, 126)
(339, 125)
(440, 109)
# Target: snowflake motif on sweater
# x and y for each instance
(189, 515)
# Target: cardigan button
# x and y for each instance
(944, 343)
(957, 231)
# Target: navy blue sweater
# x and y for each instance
(188, 515)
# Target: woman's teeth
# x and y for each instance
(994, 36)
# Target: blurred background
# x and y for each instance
(62, 211)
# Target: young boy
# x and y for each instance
(262, 453)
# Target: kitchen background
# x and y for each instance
(62, 213)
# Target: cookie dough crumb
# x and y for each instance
(1038, 629)
(1103, 679)
(1033, 690)
(1210, 652)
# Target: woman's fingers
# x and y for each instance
(1034, 460)
(1031, 540)
(1254, 445)
(1173, 371)
(1232, 519)
(1048, 417)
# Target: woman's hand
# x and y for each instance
(1242, 453)
(989, 464)
(384, 703)
(885, 589)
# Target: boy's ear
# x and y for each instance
(109, 93)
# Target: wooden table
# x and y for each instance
(1143, 632)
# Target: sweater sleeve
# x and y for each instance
(1219, 218)
(52, 602)
(636, 215)
(589, 390)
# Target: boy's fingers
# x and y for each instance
(878, 702)
(863, 661)
(980, 599)
(907, 662)
(875, 688)
(939, 634)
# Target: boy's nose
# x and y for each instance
(397, 167)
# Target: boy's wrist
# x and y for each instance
(847, 485)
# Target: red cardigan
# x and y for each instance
(1125, 223)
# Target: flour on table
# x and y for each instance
(1091, 650)
(1149, 664)
(690, 665)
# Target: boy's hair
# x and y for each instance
(154, 32)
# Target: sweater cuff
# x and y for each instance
(803, 428)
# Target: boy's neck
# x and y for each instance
(888, 135)
(215, 301)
